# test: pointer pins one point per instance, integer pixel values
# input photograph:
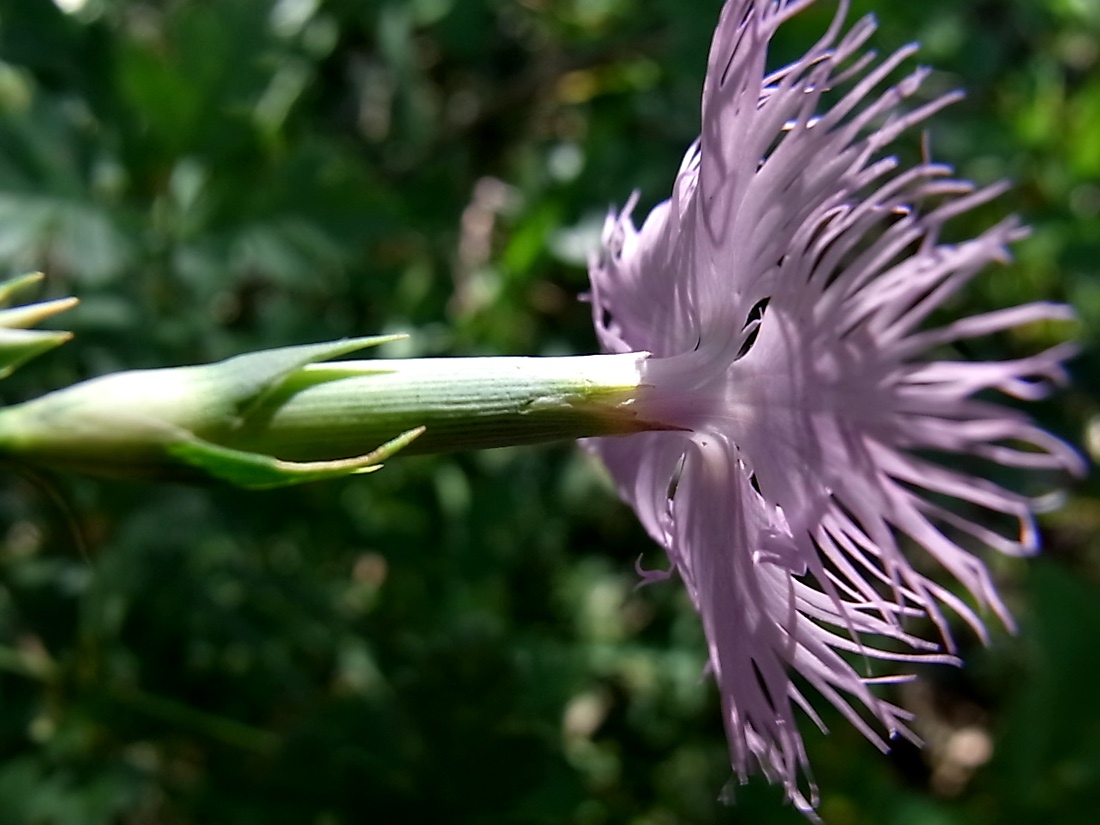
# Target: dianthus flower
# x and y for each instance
(784, 291)
(776, 400)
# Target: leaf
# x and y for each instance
(255, 471)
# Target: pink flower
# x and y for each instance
(784, 292)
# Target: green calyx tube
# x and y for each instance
(285, 416)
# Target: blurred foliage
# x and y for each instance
(459, 639)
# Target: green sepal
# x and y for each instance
(254, 376)
(11, 286)
(25, 317)
(256, 471)
(17, 346)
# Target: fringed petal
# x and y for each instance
(784, 292)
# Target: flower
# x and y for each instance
(784, 292)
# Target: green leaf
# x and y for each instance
(255, 375)
(255, 471)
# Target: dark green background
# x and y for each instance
(458, 639)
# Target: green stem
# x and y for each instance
(283, 416)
